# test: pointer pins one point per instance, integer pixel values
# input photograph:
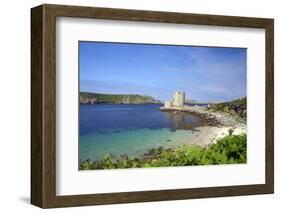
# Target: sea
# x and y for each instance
(130, 129)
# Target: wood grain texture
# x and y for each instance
(36, 106)
(43, 105)
(269, 118)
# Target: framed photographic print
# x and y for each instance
(136, 106)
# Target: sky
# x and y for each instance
(205, 74)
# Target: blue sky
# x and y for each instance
(204, 73)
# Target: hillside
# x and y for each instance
(235, 107)
(98, 98)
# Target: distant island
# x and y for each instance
(99, 98)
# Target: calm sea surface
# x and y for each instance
(130, 129)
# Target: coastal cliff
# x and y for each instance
(98, 98)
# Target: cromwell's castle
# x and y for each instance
(177, 101)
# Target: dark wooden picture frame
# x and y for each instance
(43, 105)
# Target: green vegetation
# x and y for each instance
(229, 150)
(96, 98)
(236, 107)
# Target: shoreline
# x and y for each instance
(215, 124)
(220, 118)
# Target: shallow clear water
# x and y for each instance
(130, 129)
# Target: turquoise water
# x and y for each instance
(130, 129)
(132, 142)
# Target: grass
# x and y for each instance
(231, 149)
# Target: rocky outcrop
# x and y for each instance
(236, 107)
(215, 116)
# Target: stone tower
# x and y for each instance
(179, 98)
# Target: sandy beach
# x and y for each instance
(217, 124)
(203, 136)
